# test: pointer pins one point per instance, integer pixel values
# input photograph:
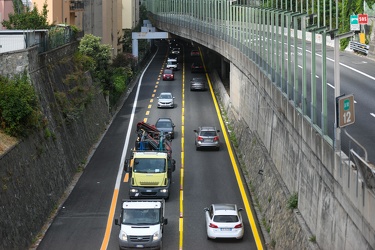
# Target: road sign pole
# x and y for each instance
(337, 136)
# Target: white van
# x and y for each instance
(172, 64)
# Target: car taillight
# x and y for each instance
(213, 225)
(216, 138)
(238, 226)
(200, 138)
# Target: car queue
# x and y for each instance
(222, 220)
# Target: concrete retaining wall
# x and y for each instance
(37, 171)
(334, 206)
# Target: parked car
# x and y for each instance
(165, 100)
(166, 125)
(198, 83)
(168, 74)
(207, 137)
(172, 64)
(194, 53)
(224, 221)
(197, 67)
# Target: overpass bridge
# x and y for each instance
(286, 106)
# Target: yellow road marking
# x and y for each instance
(109, 221)
(126, 177)
(182, 169)
(147, 112)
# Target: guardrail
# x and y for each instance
(359, 47)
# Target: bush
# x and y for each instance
(293, 201)
(19, 106)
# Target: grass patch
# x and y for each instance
(312, 239)
(293, 201)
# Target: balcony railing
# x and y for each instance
(76, 5)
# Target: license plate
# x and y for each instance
(208, 140)
(225, 229)
(139, 246)
(148, 190)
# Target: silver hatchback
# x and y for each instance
(207, 137)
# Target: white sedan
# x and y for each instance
(224, 221)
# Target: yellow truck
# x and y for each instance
(151, 164)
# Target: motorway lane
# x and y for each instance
(209, 176)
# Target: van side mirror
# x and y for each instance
(165, 221)
(126, 165)
(173, 165)
(116, 222)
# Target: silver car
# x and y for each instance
(207, 137)
(198, 83)
(165, 100)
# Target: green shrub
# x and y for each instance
(312, 239)
(293, 201)
(19, 106)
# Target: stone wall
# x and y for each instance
(37, 171)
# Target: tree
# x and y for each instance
(101, 53)
(25, 18)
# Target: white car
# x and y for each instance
(172, 64)
(224, 221)
(165, 100)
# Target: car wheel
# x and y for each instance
(217, 149)
(208, 238)
(197, 148)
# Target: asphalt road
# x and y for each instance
(85, 220)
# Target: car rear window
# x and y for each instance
(226, 218)
(208, 133)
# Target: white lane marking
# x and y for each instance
(346, 66)
(330, 85)
(372, 114)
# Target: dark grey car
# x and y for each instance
(166, 125)
(198, 83)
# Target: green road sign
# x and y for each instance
(353, 19)
(345, 107)
(354, 24)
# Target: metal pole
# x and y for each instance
(337, 137)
